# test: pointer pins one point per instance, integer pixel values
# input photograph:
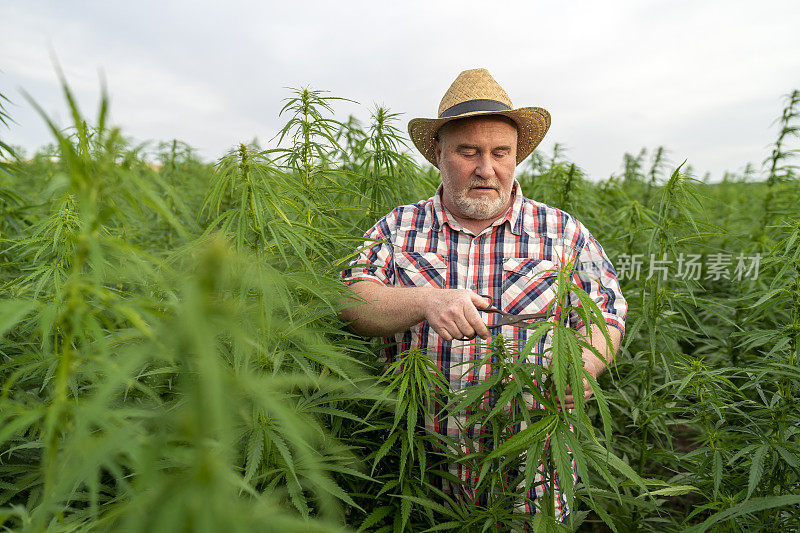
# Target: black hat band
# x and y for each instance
(471, 106)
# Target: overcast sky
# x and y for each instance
(705, 79)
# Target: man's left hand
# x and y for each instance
(595, 367)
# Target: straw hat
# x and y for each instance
(475, 93)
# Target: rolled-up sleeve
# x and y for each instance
(597, 277)
(375, 258)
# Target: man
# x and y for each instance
(424, 268)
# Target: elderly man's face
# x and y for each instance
(476, 158)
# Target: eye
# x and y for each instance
(468, 152)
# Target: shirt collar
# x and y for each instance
(513, 216)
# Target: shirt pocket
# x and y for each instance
(529, 285)
(421, 269)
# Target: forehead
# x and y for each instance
(495, 128)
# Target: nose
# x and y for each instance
(484, 168)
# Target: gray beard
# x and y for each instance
(481, 209)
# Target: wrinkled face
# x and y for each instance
(476, 158)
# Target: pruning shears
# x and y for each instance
(509, 319)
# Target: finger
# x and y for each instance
(569, 400)
(464, 328)
(479, 301)
(568, 404)
(456, 333)
(442, 331)
(587, 389)
(476, 323)
(567, 392)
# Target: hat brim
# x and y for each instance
(532, 125)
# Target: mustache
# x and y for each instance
(483, 185)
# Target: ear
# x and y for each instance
(437, 150)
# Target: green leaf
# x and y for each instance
(717, 471)
(787, 456)
(12, 311)
(255, 451)
(674, 490)
(534, 433)
(746, 507)
(377, 514)
(756, 468)
(563, 463)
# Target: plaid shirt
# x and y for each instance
(423, 245)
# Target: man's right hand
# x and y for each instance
(453, 314)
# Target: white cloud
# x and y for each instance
(702, 78)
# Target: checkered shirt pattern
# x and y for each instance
(423, 245)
